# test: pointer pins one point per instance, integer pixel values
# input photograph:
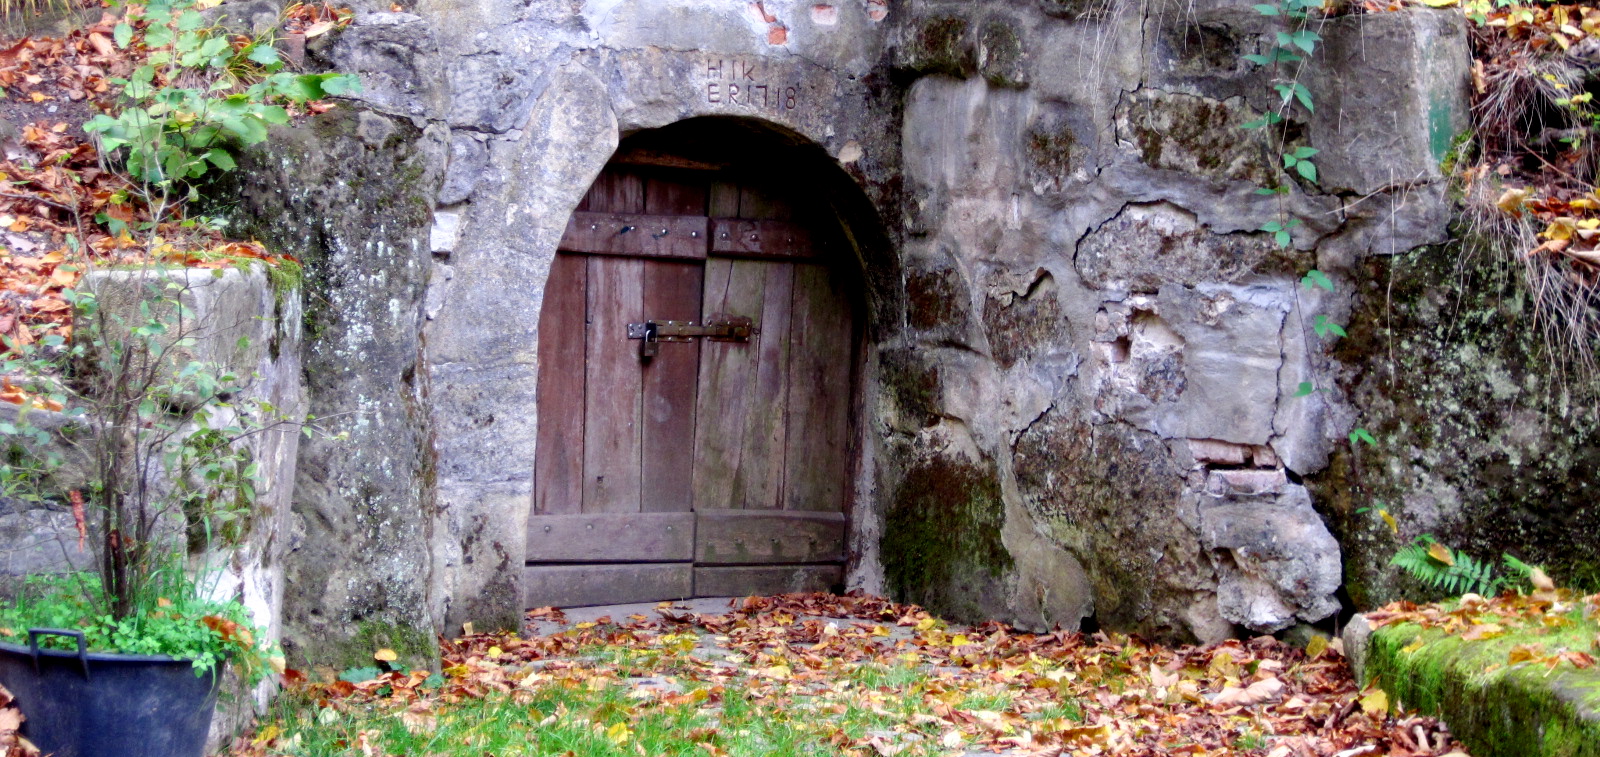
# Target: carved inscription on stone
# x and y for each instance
(748, 84)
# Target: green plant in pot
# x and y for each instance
(138, 425)
(151, 450)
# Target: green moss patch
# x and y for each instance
(1497, 708)
(412, 646)
(941, 543)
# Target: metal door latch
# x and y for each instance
(720, 327)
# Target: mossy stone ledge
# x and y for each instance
(1496, 709)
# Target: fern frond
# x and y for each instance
(1462, 575)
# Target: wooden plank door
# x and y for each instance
(713, 467)
(612, 520)
(762, 526)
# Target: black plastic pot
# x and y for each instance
(81, 704)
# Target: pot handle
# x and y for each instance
(83, 647)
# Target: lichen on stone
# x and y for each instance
(1454, 377)
(1197, 135)
(938, 45)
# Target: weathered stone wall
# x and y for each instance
(1488, 435)
(350, 196)
(1096, 336)
(1076, 386)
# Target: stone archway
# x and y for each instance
(699, 401)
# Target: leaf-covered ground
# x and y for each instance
(65, 208)
(816, 674)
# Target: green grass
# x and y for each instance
(563, 719)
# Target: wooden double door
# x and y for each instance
(696, 352)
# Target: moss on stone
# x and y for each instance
(1495, 708)
(1182, 132)
(1109, 494)
(1050, 152)
(413, 646)
(912, 382)
(1482, 445)
(1026, 325)
(941, 543)
(935, 299)
(1002, 58)
(939, 45)
(1076, 9)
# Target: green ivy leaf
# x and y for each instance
(1306, 40)
(157, 35)
(1315, 277)
(1307, 169)
(341, 84)
(1304, 96)
(1361, 435)
(1305, 389)
(122, 34)
(221, 159)
(1324, 327)
(275, 114)
(1267, 10)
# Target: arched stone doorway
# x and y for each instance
(700, 342)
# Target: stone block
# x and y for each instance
(1150, 244)
(1277, 563)
(1392, 94)
(221, 318)
(1223, 482)
(1215, 451)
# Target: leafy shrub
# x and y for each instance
(198, 94)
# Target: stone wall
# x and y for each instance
(1094, 329)
(1076, 391)
(349, 195)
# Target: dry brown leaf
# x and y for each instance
(1261, 691)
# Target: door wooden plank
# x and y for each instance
(729, 393)
(762, 467)
(744, 537)
(617, 192)
(607, 537)
(751, 580)
(613, 411)
(638, 234)
(762, 203)
(672, 291)
(558, 461)
(581, 585)
(822, 352)
(722, 199)
(761, 239)
(676, 194)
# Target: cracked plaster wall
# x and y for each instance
(1079, 351)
